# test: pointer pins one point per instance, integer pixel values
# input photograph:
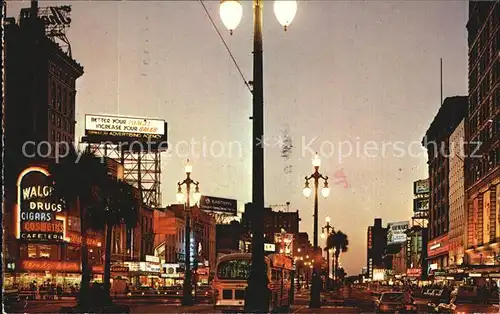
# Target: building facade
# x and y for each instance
(40, 78)
(376, 244)
(458, 217)
(482, 129)
(274, 222)
(436, 141)
(203, 248)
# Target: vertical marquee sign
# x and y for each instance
(39, 215)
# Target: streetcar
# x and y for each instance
(231, 277)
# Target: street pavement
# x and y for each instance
(358, 301)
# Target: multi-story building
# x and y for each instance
(482, 129)
(203, 248)
(228, 237)
(34, 62)
(39, 100)
(436, 141)
(169, 230)
(457, 235)
(275, 223)
(376, 244)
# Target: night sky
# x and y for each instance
(355, 71)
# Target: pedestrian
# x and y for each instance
(59, 291)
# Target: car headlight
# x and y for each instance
(129, 294)
(143, 293)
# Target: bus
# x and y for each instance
(231, 275)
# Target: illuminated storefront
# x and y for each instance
(171, 275)
(48, 236)
(145, 273)
(437, 252)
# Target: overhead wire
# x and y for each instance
(227, 47)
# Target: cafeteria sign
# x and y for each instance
(39, 213)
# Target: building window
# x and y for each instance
(53, 94)
(58, 100)
(73, 253)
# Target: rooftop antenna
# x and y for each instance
(441, 79)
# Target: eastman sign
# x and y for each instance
(39, 214)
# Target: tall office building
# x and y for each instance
(376, 244)
(436, 141)
(482, 129)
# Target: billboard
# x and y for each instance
(396, 232)
(40, 216)
(219, 205)
(421, 204)
(124, 131)
(421, 187)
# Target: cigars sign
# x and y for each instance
(40, 215)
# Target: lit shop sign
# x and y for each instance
(437, 246)
(39, 214)
(152, 259)
(142, 266)
(269, 247)
(285, 242)
(76, 238)
(379, 274)
(40, 265)
(414, 272)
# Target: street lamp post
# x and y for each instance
(187, 287)
(315, 301)
(231, 13)
(327, 227)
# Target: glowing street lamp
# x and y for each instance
(231, 13)
(187, 297)
(315, 301)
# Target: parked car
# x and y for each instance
(170, 291)
(144, 291)
(204, 291)
(463, 305)
(11, 296)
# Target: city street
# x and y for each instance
(161, 305)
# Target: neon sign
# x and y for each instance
(38, 213)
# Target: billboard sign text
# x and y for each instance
(421, 187)
(219, 205)
(397, 232)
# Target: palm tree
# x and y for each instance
(337, 241)
(80, 180)
(122, 207)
